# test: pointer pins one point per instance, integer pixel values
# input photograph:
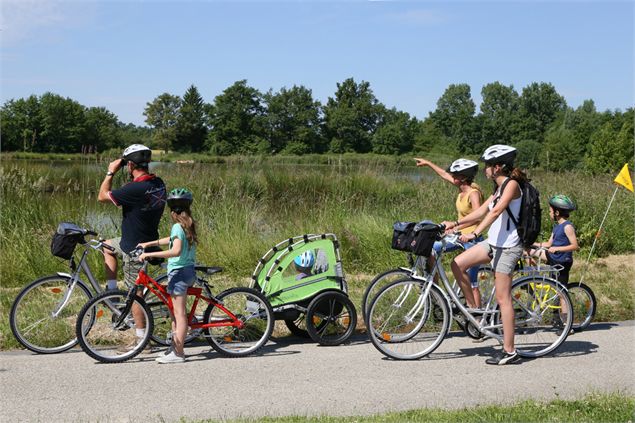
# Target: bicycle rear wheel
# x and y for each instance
(106, 327)
(403, 324)
(542, 312)
(252, 311)
(38, 322)
(583, 303)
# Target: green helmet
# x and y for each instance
(561, 202)
(180, 198)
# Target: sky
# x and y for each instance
(122, 54)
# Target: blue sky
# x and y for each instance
(122, 54)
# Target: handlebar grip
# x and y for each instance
(108, 247)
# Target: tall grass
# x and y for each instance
(245, 207)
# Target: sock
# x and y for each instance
(140, 332)
(111, 284)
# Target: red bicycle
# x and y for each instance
(237, 322)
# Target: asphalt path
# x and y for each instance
(292, 377)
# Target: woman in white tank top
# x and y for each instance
(503, 247)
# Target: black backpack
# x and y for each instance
(528, 226)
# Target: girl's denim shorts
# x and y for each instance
(181, 279)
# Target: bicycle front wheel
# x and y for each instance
(245, 333)
(543, 315)
(378, 282)
(44, 314)
(406, 325)
(583, 303)
(106, 327)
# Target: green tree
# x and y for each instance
(561, 150)
(161, 114)
(429, 138)
(454, 115)
(190, 127)
(63, 124)
(20, 124)
(499, 114)
(293, 121)
(350, 118)
(529, 152)
(236, 121)
(539, 106)
(610, 149)
(101, 129)
(395, 134)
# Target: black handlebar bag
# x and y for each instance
(65, 239)
(402, 236)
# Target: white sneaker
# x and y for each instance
(170, 358)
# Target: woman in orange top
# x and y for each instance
(461, 174)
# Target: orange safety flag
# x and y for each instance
(624, 178)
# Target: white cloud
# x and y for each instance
(420, 17)
(21, 20)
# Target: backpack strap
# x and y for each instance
(509, 212)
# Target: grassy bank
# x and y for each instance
(244, 208)
(593, 408)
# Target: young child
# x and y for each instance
(563, 240)
(303, 264)
(181, 255)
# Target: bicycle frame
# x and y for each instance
(75, 276)
(453, 296)
(143, 279)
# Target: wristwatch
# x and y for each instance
(109, 173)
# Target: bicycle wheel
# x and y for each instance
(583, 303)
(162, 333)
(405, 325)
(297, 327)
(331, 318)
(106, 328)
(44, 313)
(254, 314)
(378, 283)
(542, 315)
(486, 285)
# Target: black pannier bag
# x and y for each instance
(402, 235)
(65, 239)
(424, 236)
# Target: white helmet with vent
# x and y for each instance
(499, 153)
(464, 167)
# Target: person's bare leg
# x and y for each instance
(180, 322)
(110, 263)
(460, 265)
(503, 283)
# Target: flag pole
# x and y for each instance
(597, 235)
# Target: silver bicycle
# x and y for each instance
(44, 313)
(409, 318)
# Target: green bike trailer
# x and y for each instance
(303, 280)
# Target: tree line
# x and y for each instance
(243, 120)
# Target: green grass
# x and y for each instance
(614, 407)
(247, 204)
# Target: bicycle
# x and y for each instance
(237, 322)
(409, 318)
(43, 315)
(417, 267)
(581, 295)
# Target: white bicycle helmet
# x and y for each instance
(499, 153)
(138, 154)
(463, 167)
(306, 259)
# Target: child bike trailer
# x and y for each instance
(303, 280)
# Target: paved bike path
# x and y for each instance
(290, 377)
